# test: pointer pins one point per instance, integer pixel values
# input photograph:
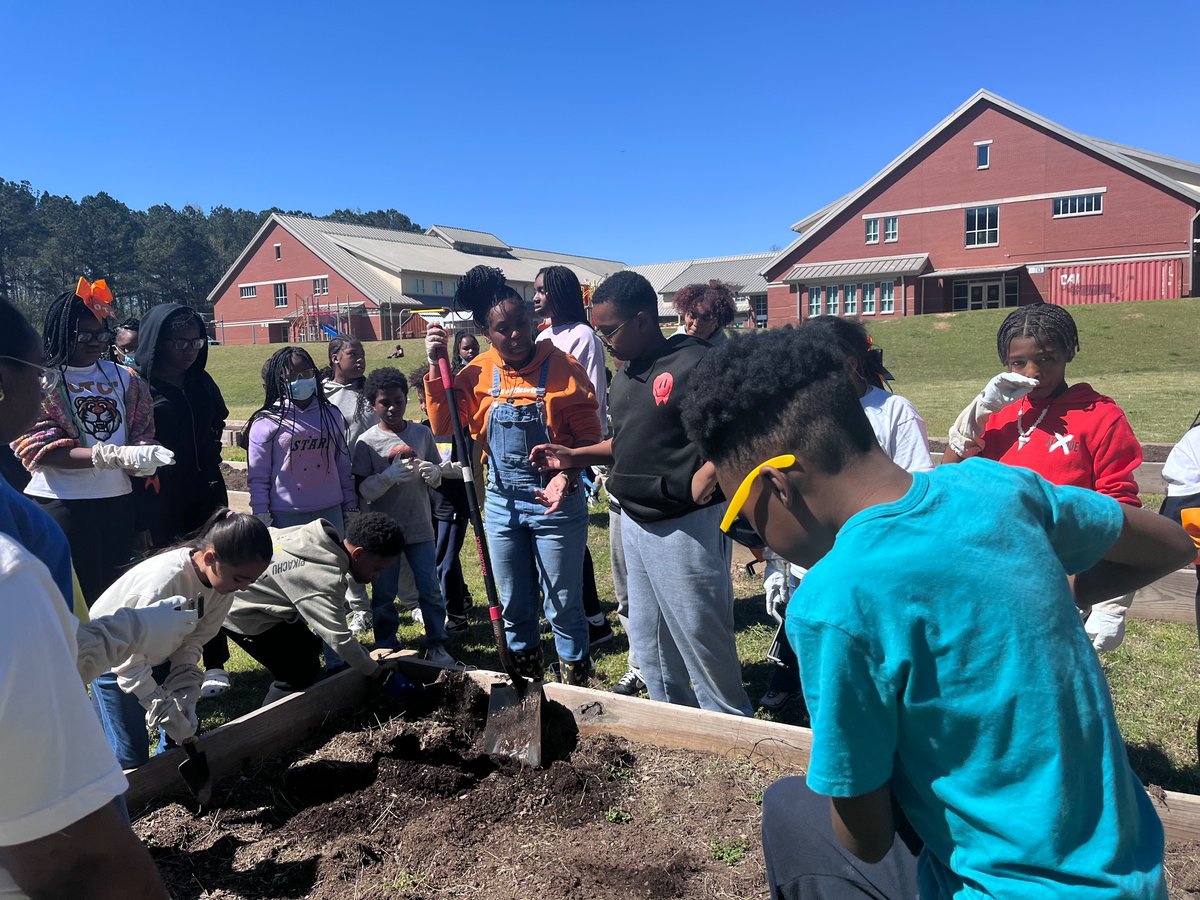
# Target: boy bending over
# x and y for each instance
(993, 737)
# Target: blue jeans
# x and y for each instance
(531, 550)
(422, 559)
(124, 720)
(681, 610)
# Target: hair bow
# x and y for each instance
(95, 296)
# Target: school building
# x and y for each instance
(996, 206)
(303, 279)
(741, 273)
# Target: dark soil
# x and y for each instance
(409, 807)
(235, 479)
(1182, 866)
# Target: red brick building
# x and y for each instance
(308, 279)
(996, 206)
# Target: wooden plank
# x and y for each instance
(239, 501)
(1180, 814)
(1170, 599)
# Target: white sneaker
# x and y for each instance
(437, 654)
(359, 622)
(417, 616)
(216, 681)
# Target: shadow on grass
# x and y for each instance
(1154, 766)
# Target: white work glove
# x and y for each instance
(138, 459)
(376, 486)
(435, 344)
(265, 518)
(1105, 629)
(431, 472)
(775, 587)
(1004, 389)
(452, 470)
(166, 711)
(155, 632)
(165, 624)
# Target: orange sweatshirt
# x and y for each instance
(571, 412)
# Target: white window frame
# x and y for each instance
(249, 292)
(887, 298)
(418, 285)
(437, 287)
(850, 299)
(868, 299)
(986, 147)
(278, 252)
(872, 231)
(278, 285)
(980, 234)
(814, 301)
(891, 229)
(320, 286)
(833, 302)
(1080, 202)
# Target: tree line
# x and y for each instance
(151, 256)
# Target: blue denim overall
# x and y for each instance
(531, 549)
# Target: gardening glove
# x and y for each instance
(452, 470)
(431, 472)
(1004, 389)
(154, 631)
(435, 344)
(264, 517)
(775, 587)
(1105, 630)
(137, 459)
(377, 485)
(165, 711)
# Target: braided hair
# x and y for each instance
(62, 327)
(564, 295)
(481, 290)
(336, 345)
(1049, 325)
(278, 405)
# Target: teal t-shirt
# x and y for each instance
(941, 651)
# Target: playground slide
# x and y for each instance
(330, 331)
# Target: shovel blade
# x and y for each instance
(514, 724)
(196, 775)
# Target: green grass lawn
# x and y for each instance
(1140, 353)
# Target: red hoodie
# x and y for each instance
(1083, 440)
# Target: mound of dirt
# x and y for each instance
(409, 807)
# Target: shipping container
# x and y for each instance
(1113, 282)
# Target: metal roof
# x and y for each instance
(740, 273)
(967, 273)
(372, 259)
(468, 236)
(662, 274)
(856, 268)
(1122, 156)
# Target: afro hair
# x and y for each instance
(713, 299)
(376, 533)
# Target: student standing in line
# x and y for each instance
(299, 465)
(707, 310)
(125, 344)
(227, 554)
(514, 396)
(558, 299)
(466, 348)
(677, 559)
(956, 751)
(1028, 416)
(189, 419)
(93, 432)
(396, 463)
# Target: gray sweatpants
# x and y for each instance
(681, 610)
(616, 557)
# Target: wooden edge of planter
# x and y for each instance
(286, 723)
(1170, 599)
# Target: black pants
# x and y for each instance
(450, 537)
(289, 651)
(806, 861)
(216, 651)
(100, 533)
(591, 597)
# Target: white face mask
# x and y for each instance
(301, 389)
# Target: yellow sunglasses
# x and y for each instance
(743, 492)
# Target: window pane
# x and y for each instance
(981, 155)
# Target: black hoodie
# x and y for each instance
(189, 422)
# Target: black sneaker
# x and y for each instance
(630, 685)
(457, 624)
(599, 634)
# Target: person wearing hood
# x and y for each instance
(189, 417)
(304, 588)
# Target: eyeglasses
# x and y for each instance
(186, 344)
(94, 337)
(606, 335)
(49, 379)
(743, 492)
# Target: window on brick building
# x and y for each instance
(281, 294)
(832, 307)
(814, 301)
(983, 154)
(983, 226)
(760, 311)
(872, 231)
(320, 286)
(1079, 205)
(891, 229)
(850, 295)
(868, 298)
(279, 251)
(887, 297)
(249, 293)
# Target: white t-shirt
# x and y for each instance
(1181, 471)
(97, 398)
(899, 429)
(55, 764)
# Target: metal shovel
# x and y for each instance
(195, 772)
(514, 720)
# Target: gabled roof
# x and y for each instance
(741, 274)
(1126, 157)
(467, 236)
(661, 274)
(372, 259)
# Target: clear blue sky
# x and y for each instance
(636, 131)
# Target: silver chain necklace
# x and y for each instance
(1023, 434)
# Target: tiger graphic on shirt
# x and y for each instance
(99, 416)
